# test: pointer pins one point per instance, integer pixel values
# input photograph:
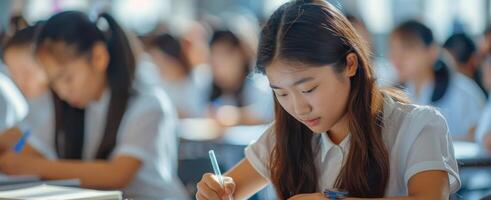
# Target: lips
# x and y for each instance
(312, 122)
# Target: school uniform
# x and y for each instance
(416, 138)
(147, 132)
(13, 107)
(461, 105)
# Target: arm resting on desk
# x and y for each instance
(111, 174)
(427, 185)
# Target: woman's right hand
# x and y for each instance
(209, 188)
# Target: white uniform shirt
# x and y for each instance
(461, 105)
(13, 107)
(147, 132)
(416, 138)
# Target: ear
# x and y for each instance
(100, 57)
(351, 65)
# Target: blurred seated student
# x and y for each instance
(464, 53)
(31, 80)
(334, 128)
(483, 130)
(430, 80)
(178, 77)
(386, 74)
(107, 133)
(236, 96)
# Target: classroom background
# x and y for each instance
(201, 53)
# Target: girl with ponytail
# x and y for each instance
(431, 78)
(108, 132)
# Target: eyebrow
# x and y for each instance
(303, 80)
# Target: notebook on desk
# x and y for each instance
(10, 180)
(58, 193)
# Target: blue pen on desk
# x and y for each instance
(22, 142)
(216, 169)
(335, 194)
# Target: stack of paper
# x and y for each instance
(59, 193)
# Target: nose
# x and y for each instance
(301, 106)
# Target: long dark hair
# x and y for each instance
(229, 37)
(414, 31)
(317, 34)
(79, 33)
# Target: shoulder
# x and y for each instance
(409, 120)
(466, 87)
(150, 100)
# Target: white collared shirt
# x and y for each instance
(13, 107)
(461, 104)
(147, 132)
(416, 138)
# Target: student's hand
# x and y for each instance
(312, 196)
(17, 164)
(209, 188)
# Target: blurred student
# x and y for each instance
(178, 77)
(107, 133)
(334, 128)
(31, 81)
(483, 131)
(429, 79)
(235, 97)
(385, 72)
(464, 53)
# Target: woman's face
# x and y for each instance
(26, 72)
(227, 63)
(410, 60)
(316, 96)
(77, 81)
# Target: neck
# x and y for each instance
(339, 131)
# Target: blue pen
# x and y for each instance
(335, 194)
(216, 169)
(22, 142)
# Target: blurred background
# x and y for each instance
(202, 53)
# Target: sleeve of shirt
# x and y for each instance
(433, 150)
(13, 108)
(41, 141)
(148, 133)
(258, 152)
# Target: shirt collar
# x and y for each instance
(327, 144)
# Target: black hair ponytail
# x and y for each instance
(77, 31)
(120, 74)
